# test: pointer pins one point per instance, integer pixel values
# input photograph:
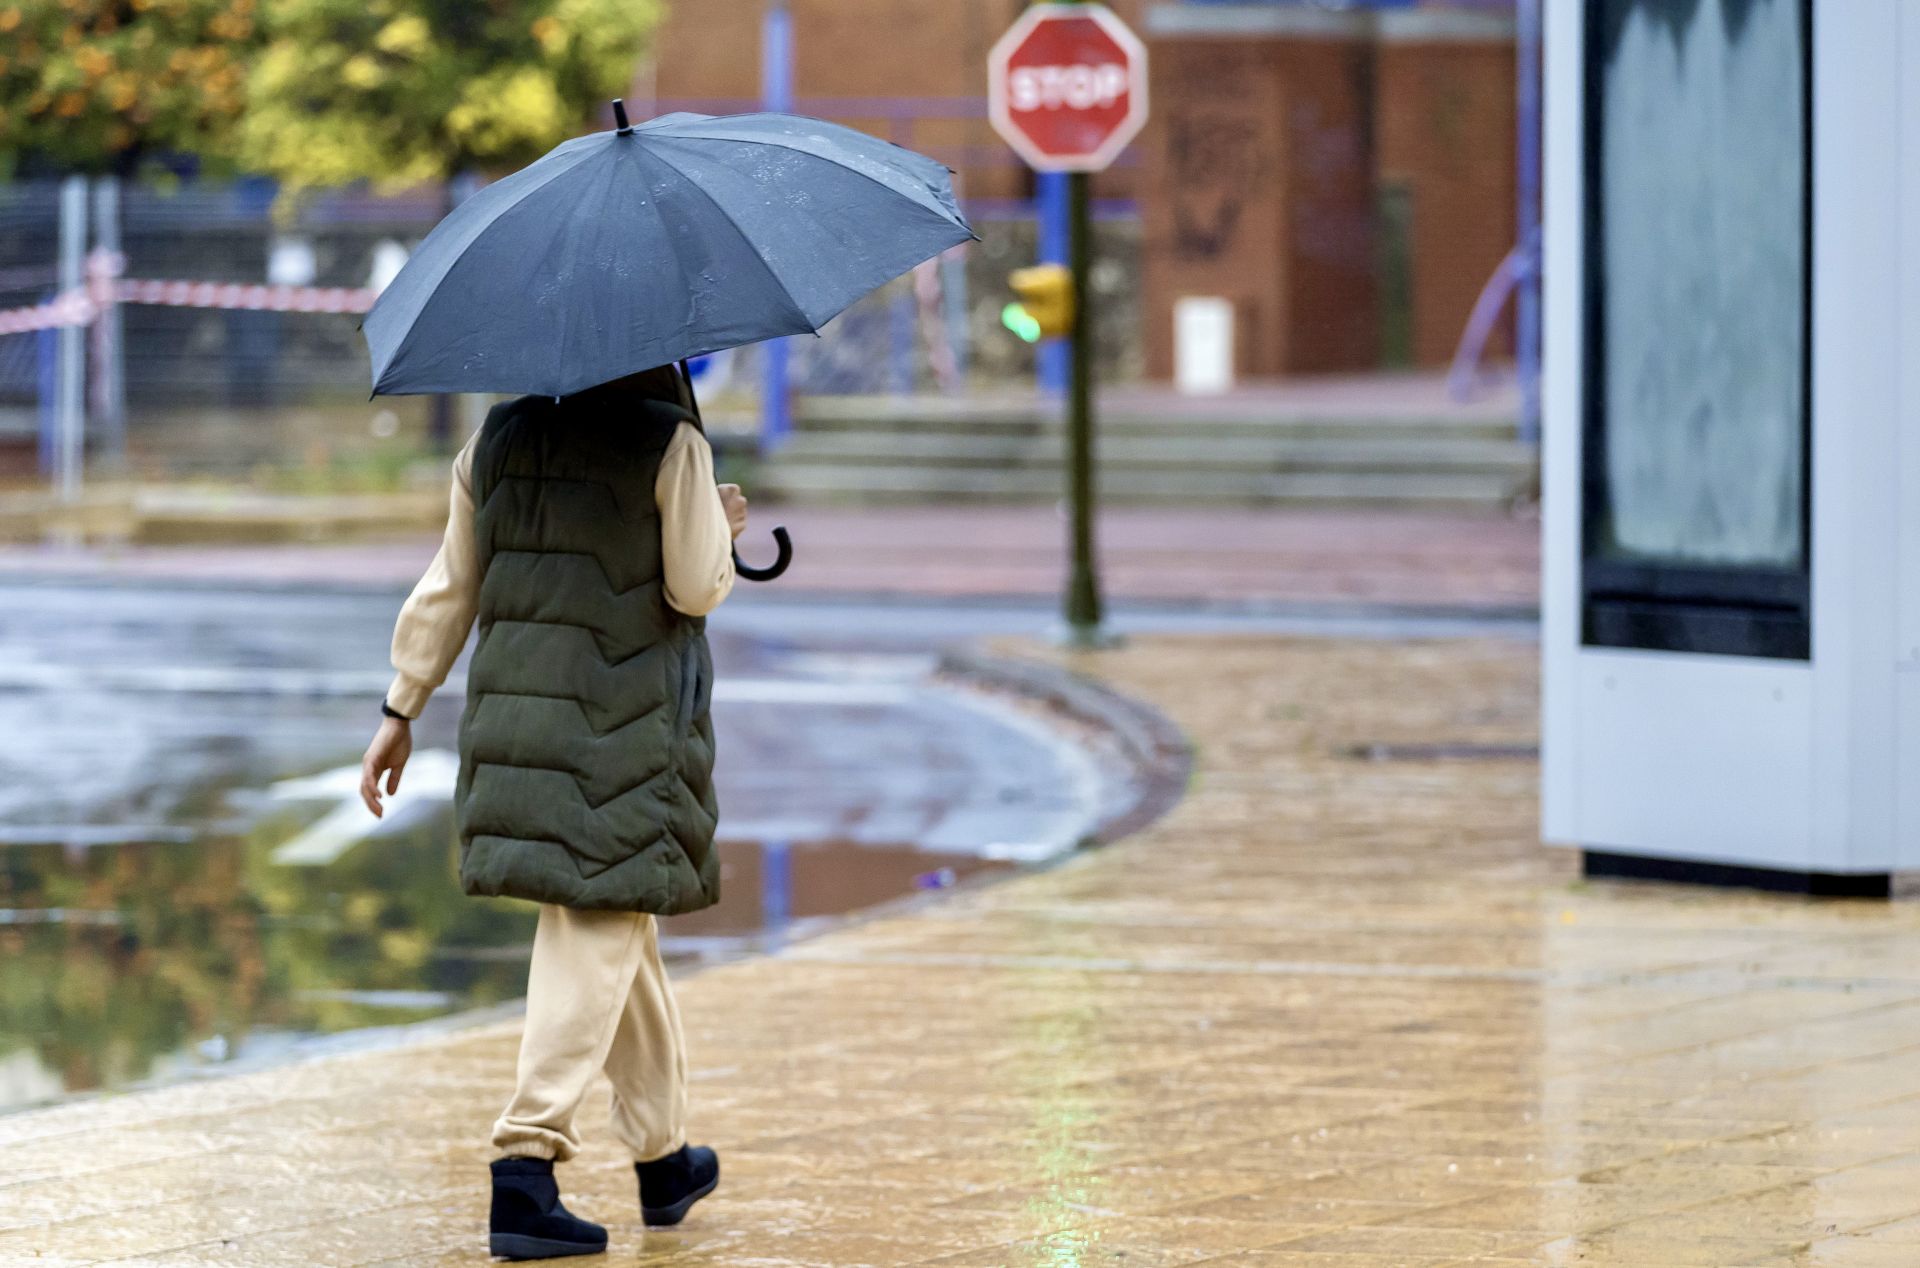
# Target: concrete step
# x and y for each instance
(1024, 416)
(1131, 425)
(1379, 441)
(1158, 451)
(876, 483)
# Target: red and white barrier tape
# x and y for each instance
(70, 309)
(80, 307)
(269, 299)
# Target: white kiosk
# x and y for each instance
(1731, 601)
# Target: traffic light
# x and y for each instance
(1045, 307)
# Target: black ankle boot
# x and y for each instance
(670, 1186)
(527, 1220)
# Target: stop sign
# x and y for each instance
(1067, 87)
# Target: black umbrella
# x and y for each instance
(636, 248)
(643, 246)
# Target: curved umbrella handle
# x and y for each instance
(783, 545)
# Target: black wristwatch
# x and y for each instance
(391, 712)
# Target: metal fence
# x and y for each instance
(211, 384)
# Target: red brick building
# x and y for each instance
(913, 71)
(1444, 129)
(1345, 179)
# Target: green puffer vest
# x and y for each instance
(586, 749)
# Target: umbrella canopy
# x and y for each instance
(629, 249)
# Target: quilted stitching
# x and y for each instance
(647, 842)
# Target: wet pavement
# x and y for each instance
(188, 883)
(1250, 558)
(1337, 1010)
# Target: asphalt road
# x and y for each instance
(127, 710)
(134, 713)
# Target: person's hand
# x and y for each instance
(735, 504)
(387, 755)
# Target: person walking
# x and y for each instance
(588, 540)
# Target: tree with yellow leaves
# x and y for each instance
(401, 92)
(100, 85)
(314, 92)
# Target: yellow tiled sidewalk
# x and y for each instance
(1334, 1011)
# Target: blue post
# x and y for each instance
(776, 885)
(901, 319)
(1527, 289)
(1055, 357)
(47, 380)
(953, 290)
(776, 93)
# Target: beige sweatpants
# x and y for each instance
(597, 999)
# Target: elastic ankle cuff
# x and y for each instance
(528, 1149)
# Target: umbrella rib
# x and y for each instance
(652, 203)
(573, 226)
(793, 304)
(521, 198)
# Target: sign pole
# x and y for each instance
(1051, 204)
(1067, 90)
(1084, 628)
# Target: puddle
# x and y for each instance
(151, 962)
(188, 884)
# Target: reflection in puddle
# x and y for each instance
(767, 888)
(187, 881)
(148, 962)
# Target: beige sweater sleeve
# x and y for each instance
(437, 616)
(696, 543)
(696, 546)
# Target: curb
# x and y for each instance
(159, 515)
(1144, 739)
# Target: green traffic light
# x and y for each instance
(1017, 319)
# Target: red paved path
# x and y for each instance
(1263, 556)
